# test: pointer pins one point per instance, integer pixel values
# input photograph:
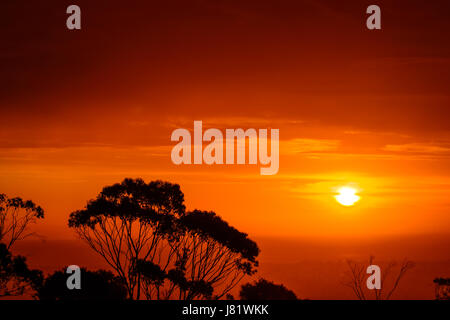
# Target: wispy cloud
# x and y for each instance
(297, 146)
(231, 122)
(419, 148)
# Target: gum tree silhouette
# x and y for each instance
(390, 278)
(442, 288)
(95, 285)
(15, 217)
(210, 255)
(265, 290)
(159, 250)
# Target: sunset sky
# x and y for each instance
(84, 109)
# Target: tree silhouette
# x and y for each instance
(15, 277)
(210, 255)
(265, 290)
(356, 279)
(157, 249)
(95, 285)
(15, 217)
(442, 288)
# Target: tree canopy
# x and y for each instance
(157, 249)
(15, 217)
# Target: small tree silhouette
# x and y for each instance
(95, 285)
(15, 217)
(266, 290)
(157, 249)
(442, 288)
(356, 279)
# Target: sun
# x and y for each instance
(347, 196)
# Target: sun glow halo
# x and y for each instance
(347, 196)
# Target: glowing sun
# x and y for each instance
(347, 196)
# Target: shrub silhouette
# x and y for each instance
(442, 288)
(266, 290)
(356, 278)
(15, 277)
(95, 285)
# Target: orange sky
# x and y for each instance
(84, 109)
